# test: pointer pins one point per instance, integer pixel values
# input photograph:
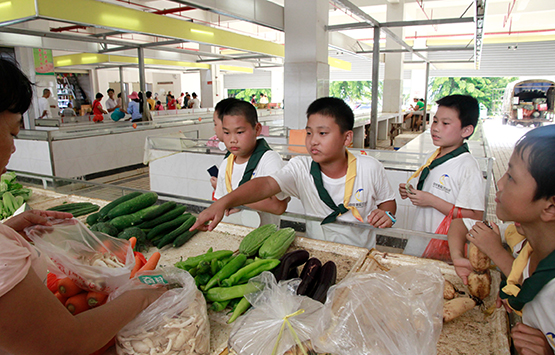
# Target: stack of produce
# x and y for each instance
(76, 209)
(12, 194)
(223, 277)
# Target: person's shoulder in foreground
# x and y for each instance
(526, 195)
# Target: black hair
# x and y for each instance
(334, 108)
(99, 96)
(241, 108)
(119, 94)
(539, 144)
(466, 106)
(148, 94)
(222, 105)
(194, 94)
(108, 91)
(16, 91)
(158, 103)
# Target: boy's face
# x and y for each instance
(516, 193)
(218, 127)
(446, 128)
(239, 136)
(324, 140)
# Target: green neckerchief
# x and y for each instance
(259, 150)
(324, 194)
(544, 273)
(228, 153)
(460, 150)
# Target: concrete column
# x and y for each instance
(418, 76)
(211, 85)
(306, 75)
(393, 70)
(26, 61)
(277, 85)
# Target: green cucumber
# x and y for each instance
(133, 205)
(93, 218)
(104, 210)
(160, 210)
(68, 207)
(167, 226)
(168, 216)
(84, 210)
(184, 238)
(129, 220)
(170, 237)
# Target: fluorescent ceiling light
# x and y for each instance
(202, 32)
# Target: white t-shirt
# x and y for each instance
(110, 104)
(196, 103)
(539, 313)
(458, 181)
(371, 188)
(268, 164)
(44, 105)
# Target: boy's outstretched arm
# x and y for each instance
(456, 237)
(272, 205)
(530, 341)
(253, 191)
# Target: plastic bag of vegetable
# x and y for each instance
(93, 260)
(279, 320)
(176, 323)
(398, 312)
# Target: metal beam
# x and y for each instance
(163, 43)
(375, 87)
(437, 61)
(431, 49)
(115, 49)
(234, 58)
(363, 25)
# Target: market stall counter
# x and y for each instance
(476, 332)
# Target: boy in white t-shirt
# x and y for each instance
(326, 181)
(248, 157)
(451, 178)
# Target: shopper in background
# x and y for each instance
(168, 98)
(44, 105)
(195, 102)
(180, 99)
(159, 106)
(111, 102)
(68, 111)
(172, 103)
(150, 100)
(134, 108)
(119, 101)
(33, 321)
(253, 99)
(97, 109)
(263, 99)
(186, 99)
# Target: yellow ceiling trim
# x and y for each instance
(112, 16)
(13, 10)
(93, 58)
(235, 68)
(339, 64)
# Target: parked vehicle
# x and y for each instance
(529, 102)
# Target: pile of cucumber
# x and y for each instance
(76, 208)
(137, 215)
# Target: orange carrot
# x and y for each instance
(103, 349)
(137, 267)
(52, 282)
(133, 242)
(77, 304)
(151, 263)
(95, 299)
(61, 297)
(68, 288)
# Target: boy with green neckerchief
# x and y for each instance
(332, 183)
(247, 158)
(451, 180)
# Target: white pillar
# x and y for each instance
(418, 76)
(393, 70)
(277, 85)
(26, 61)
(211, 86)
(306, 75)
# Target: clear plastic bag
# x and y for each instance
(93, 260)
(398, 312)
(176, 323)
(264, 327)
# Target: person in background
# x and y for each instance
(417, 107)
(119, 101)
(186, 99)
(150, 100)
(172, 103)
(195, 102)
(44, 105)
(180, 99)
(253, 99)
(97, 109)
(332, 183)
(263, 99)
(134, 108)
(111, 102)
(168, 97)
(159, 106)
(25, 301)
(68, 111)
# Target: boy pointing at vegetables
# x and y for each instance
(33, 320)
(332, 183)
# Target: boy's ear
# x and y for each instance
(258, 129)
(548, 213)
(467, 131)
(348, 138)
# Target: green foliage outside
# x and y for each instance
(245, 94)
(355, 91)
(488, 91)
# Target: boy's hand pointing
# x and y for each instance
(214, 213)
